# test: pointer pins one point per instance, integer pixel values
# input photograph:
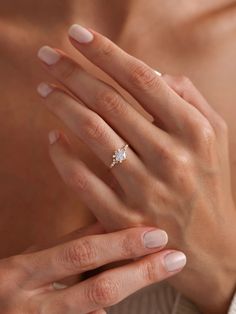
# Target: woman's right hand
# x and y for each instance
(28, 280)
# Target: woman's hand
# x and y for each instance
(177, 172)
(28, 280)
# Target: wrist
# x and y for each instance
(217, 273)
(212, 284)
(219, 287)
(212, 293)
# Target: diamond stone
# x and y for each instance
(120, 155)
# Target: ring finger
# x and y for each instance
(96, 133)
(106, 102)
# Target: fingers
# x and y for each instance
(91, 252)
(136, 77)
(104, 100)
(95, 194)
(96, 133)
(95, 228)
(185, 88)
(114, 285)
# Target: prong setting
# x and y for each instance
(119, 156)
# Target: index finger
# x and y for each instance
(140, 80)
(90, 252)
(114, 285)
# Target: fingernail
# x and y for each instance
(58, 285)
(48, 55)
(53, 136)
(174, 261)
(44, 89)
(158, 73)
(155, 238)
(80, 34)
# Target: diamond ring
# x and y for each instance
(119, 155)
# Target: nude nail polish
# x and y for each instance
(155, 239)
(53, 136)
(174, 261)
(59, 286)
(48, 55)
(44, 89)
(80, 34)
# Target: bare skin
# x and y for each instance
(206, 66)
(177, 174)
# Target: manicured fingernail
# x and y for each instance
(44, 89)
(80, 34)
(155, 239)
(174, 261)
(48, 55)
(158, 73)
(59, 286)
(53, 136)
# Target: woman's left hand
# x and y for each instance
(177, 173)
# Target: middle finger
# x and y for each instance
(91, 252)
(97, 134)
(107, 102)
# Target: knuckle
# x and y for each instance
(104, 49)
(162, 151)
(184, 80)
(221, 125)
(56, 100)
(128, 247)
(104, 292)
(94, 128)
(150, 271)
(79, 255)
(181, 83)
(182, 165)
(142, 77)
(110, 102)
(107, 48)
(182, 161)
(67, 70)
(76, 179)
(207, 134)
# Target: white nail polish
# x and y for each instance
(155, 239)
(158, 73)
(48, 55)
(44, 89)
(175, 261)
(59, 286)
(80, 34)
(53, 136)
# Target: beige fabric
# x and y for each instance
(159, 299)
(232, 309)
